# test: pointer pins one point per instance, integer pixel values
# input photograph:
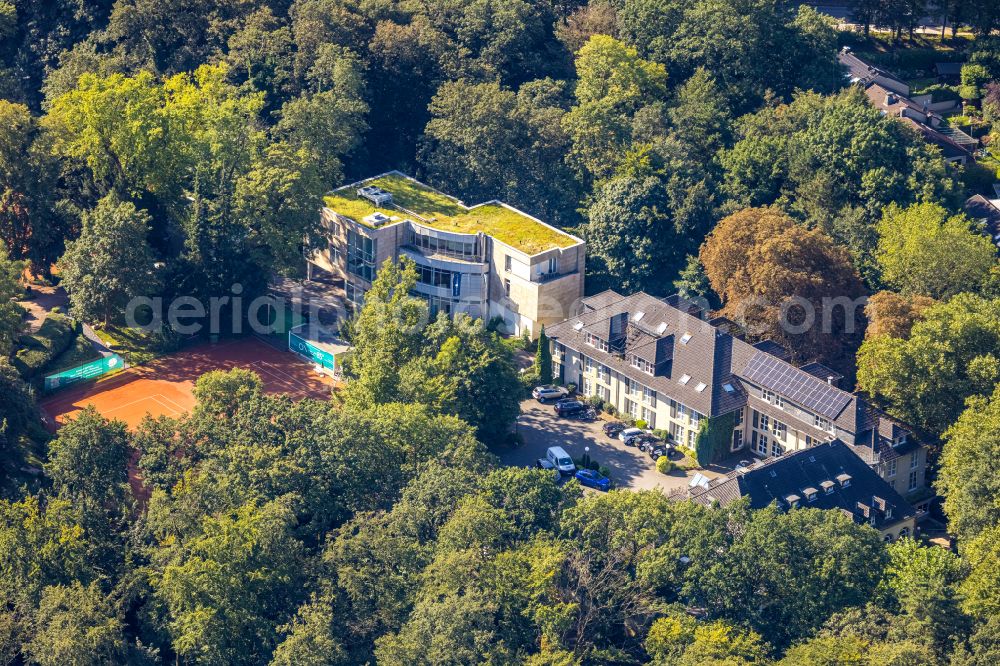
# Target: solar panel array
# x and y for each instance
(799, 387)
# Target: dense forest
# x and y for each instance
(179, 147)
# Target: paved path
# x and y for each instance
(38, 307)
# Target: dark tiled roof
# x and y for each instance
(861, 71)
(823, 372)
(979, 207)
(799, 473)
(685, 344)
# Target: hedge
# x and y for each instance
(39, 349)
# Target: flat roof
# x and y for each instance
(411, 199)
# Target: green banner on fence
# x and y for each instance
(101, 366)
(303, 347)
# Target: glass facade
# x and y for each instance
(468, 250)
(360, 255)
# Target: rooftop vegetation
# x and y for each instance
(413, 199)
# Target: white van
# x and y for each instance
(560, 460)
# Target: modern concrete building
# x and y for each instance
(488, 260)
(662, 361)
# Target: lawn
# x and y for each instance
(439, 211)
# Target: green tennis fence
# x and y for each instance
(80, 373)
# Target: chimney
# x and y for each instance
(829, 379)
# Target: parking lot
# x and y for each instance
(540, 428)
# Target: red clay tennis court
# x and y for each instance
(164, 386)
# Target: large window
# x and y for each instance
(434, 277)
(360, 255)
(438, 304)
(434, 245)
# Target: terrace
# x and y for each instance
(427, 206)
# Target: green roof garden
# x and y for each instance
(431, 208)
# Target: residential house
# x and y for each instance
(662, 361)
(487, 260)
(986, 212)
(921, 113)
(827, 476)
(860, 72)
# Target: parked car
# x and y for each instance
(625, 434)
(560, 460)
(642, 440)
(657, 452)
(570, 408)
(545, 394)
(592, 479)
(613, 429)
(543, 463)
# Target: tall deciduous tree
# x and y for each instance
(949, 355)
(110, 263)
(779, 280)
(631, 230)
(613, 85)
(969, 486)
(922, 251)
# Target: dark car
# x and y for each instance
(570, 408)
(592, 479)
(613, 429)
(657, 452)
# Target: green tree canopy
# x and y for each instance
(922, 251)
(949, 355)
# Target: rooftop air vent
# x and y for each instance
(376, 219)
(376, 195)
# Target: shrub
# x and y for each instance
(571, 387)
(664, 465)
(57, 310)
(596, 402)
(610, 410)
(39, 349)
(641, 423)
(604, 471)
(659, 433)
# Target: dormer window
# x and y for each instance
(900, 440)
(844, 480)
(828, 486)
(810, 493)
(642, 364)
(792, 501)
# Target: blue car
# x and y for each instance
(591, 479)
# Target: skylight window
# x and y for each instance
(661, 328)
(685, 338)
(700, 387)
(728, 388)
(638, 315)
(685, 379)
(577, 326)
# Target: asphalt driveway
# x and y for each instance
(630, 468)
